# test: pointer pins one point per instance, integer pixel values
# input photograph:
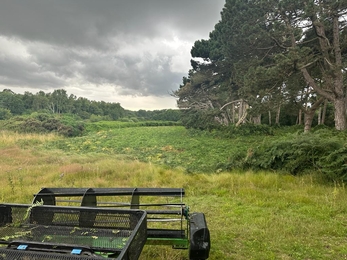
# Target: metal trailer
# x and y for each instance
(169, 221)
(53, 232)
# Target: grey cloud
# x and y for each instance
(151, 76)
(91, 22)
(19, 72)
(55, 59)
(88, 40)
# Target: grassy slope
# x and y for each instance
(250, 216)
(170, 146)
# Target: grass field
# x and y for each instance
(264, 215)
(174, 147)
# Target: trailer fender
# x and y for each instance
(200, 243)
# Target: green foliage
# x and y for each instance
(71, 125)
(323, 151)
(247, 130)
(97, 118)
(249, 147)
(11, 101)
(261, 52)
(158, 115)
(5, 113)
(201, 49)
(199, 119)
(58, 102)
(172, 146)
(334, 165)
(45, 123)
(129, 119)
(125, 123)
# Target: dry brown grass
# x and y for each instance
(8, 138)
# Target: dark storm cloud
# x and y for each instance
(89, 22)
(115, 42)
(15, 71)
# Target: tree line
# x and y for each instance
(269, 62)
(59, 102)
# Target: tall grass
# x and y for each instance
(250, 215)
(8, 138)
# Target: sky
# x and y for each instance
(132, 52)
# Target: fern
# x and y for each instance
(334, 165)
(297, 153)
(27, 214)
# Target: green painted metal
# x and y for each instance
(177, 243)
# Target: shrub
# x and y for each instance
(97, 118)
(45, 123)
(5, 114)
(299, 153)
(247, 130)
(334, 165)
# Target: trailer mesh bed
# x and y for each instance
(167, 215)
(169, 221)
(52, 232)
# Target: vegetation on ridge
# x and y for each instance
(287, 150)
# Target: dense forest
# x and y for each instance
(270, 62)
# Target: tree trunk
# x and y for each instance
(278, 115)
(300, 117)
(340, 114)
(308, 118)
(240, 112)
(309, 114)
(228, 116)
(269, 117)
(233, 113)
(223, 120)
(257, 120)
(51, 107)
(324, 111)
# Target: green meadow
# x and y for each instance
(251, 215)
(169, 146)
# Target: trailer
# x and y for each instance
(94, 223)
(169, 220)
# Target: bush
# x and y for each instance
(247, 130)
(298, 153)
(97, 118)
(5, 114)
(334, 165)
(45, 123)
